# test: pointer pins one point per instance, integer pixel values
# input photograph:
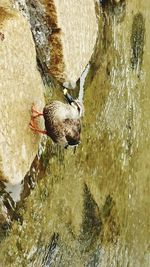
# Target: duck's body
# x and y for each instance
(62, 121)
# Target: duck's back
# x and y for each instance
(56, 110)
(60, 127)
(52, 115)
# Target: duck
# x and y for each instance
(62, 120)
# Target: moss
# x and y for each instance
(4, 14)
(57, 66)
(51, 15)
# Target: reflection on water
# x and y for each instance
(89, 208)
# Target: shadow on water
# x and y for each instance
(137, 42)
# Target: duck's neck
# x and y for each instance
(73, 112)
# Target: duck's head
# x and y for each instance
(75, 103)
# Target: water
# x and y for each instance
(90, 208)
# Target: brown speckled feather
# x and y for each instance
(62, 123)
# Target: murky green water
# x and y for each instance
(90, 208)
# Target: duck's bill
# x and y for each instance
(68, 97)
(71, 145)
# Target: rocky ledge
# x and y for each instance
(20, 86)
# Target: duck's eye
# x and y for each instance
(79, 109)
(77, 106)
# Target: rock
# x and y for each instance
(65, 35)
(20, 86)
